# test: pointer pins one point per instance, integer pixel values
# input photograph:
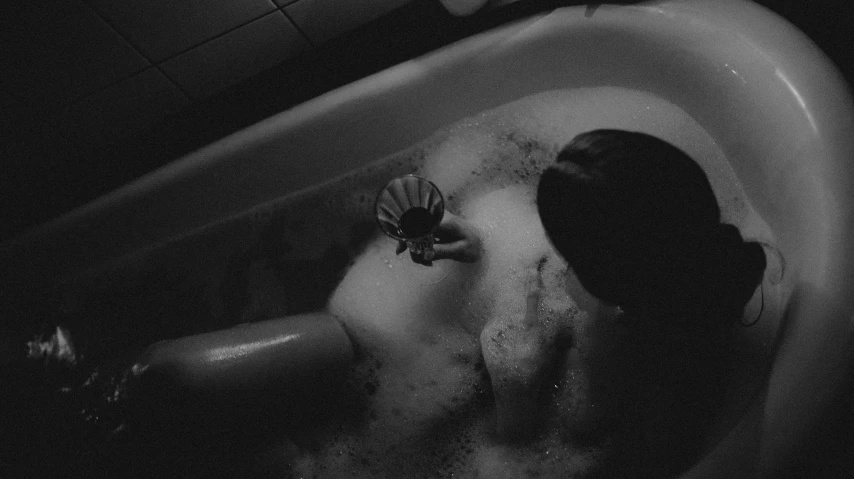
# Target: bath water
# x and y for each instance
(442, 348)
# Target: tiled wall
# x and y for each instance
(96, 70)
(87, 72)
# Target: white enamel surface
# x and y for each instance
(775, 104)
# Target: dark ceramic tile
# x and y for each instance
(323, 20)
(235, 56)
(113, 114)
(40, 170)
(57, 52)
(164, 28)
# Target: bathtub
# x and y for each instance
(772, 100)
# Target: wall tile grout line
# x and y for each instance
(218, 35)
(114, 82)
(157, 65)
(52, 121)
(298, 28)
(135, 47)
(118, 32)
(105, 87)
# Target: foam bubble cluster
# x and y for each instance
(435, 342)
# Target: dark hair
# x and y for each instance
(638, 222)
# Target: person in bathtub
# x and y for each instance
(638, 224)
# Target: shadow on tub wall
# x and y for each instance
(97, 99)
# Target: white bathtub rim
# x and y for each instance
(814, 80)
(184, 169)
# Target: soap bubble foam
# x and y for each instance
(430, 405)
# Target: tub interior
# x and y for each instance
(215, 239)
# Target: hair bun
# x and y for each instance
(755, 256)
(727, 232)
(735, 251)
(735, 267)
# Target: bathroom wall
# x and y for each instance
(94, 71)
